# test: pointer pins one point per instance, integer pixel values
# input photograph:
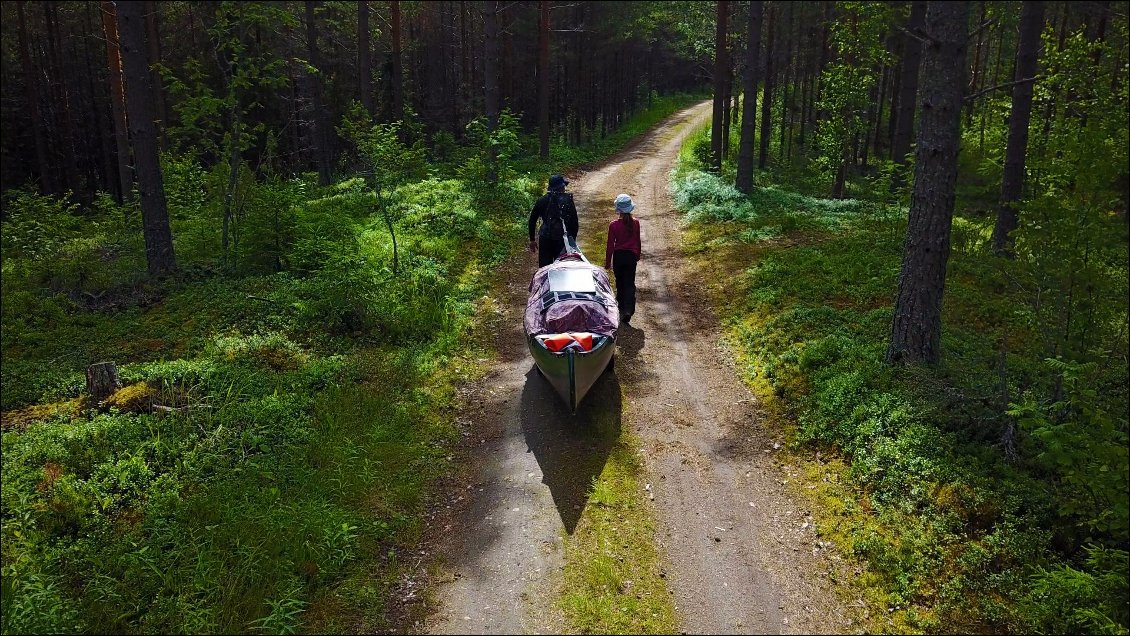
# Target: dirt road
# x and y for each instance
(741, 554)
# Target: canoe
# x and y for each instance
(571, 297)
(571, 372)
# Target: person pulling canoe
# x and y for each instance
(558, 214)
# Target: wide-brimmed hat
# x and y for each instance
(556, 182)
(624, 204)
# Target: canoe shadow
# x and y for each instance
(571, 449)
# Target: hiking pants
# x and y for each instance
(548, 250)
(624, 269)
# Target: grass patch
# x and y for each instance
(614, 582)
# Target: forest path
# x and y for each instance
(740, 552)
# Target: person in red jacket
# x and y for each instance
(623, 252)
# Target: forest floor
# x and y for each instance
(737, 549)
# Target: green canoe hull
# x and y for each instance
(572, 373)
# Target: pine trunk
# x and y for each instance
(767, 97)
(720, 67)
(917, 327)
(749, 102)
(364, 57)
(489, 10)
(908, 85)
(154, 38)
(788, 89)
(101, 127)
(978, 62)
(143, 132)
(117, 98)
(319, 133)
(397, 72)
(31, 92)
(543, 78)
(1012, 184)
(60, 91)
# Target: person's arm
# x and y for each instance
(639, 240)
(534, 214)
(611, 245)
(572, 225)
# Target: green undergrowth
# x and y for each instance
(986, 494)
(614, 582)
(287, 404)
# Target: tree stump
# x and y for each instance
(102, 380)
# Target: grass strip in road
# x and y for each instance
(614, 581)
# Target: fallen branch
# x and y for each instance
(179, 409)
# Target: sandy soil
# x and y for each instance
(740, 550)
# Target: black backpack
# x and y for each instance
(553, 217)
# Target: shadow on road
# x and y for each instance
(629, 342)
(570, 449)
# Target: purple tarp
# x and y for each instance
(552, 309)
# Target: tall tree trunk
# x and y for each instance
(744, 180)
(101, 127)
(726, 112)
(582, 103)
(143, 131)
(896, 88)
(978, 62)
(397, 72)
(59, 88)
(543, 78)
(767, 96)
(489, 10)
(720, 68)
(154, 38)
(908, 86)
(1031, 24)
(995, 81)
(451, 76)
(884, 80)
(364, 57)
(917, 326)
(465, 54)
(31, 92)
(506, 86)
(805, 102)
(320, 130)
(117, 98)
(788, 88)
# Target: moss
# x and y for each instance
(22, 418)
(135, 398)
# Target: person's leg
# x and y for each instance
(623, 283)
(548, 250)
(630, 286)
